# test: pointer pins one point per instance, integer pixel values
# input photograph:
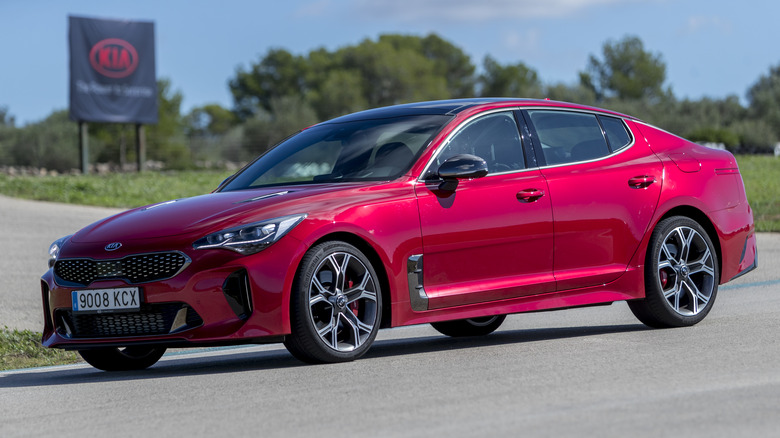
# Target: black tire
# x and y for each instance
(469, 327)
(335, 305)
(681, 275)
(124, 359)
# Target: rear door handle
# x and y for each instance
(529, 195)
(640, 182)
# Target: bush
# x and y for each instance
(711, 134)
(755, 137)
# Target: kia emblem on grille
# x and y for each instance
(113, 246)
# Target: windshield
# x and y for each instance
(363, 150)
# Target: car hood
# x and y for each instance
(203, 214)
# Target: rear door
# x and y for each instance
(604, 184)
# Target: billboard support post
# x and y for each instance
(140, 146)
(84, 146)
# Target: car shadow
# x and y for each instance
(403, 347)
(277, 359)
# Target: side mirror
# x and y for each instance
(461, 166)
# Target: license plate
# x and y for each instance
(106, 300)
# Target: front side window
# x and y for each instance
(494, 138)
(568, 137)
(361, 150)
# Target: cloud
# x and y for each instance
(313, 9)
(699, 23)
(476, 11)
(527, 40)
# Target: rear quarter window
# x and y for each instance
(616, 131)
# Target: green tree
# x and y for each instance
(111, 143)
(755, 136)
(393, 73)
(627, 71)
(513, 80)
(267, 128)
(7, 133)
(389, 70)
(570, 93)
(714, 134)
(51, 143)
(165, 141)
(339, 92)
(209, 120)
(278, 74)
(449, 61)
(764, 99)
(6, 119)
(213, 135)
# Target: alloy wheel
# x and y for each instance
(686, 271)
(343, 302)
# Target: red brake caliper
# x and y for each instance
(664, 278)
(353, 306)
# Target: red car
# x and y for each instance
(454, 213)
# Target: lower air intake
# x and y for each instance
(238, 293)
(152, 319)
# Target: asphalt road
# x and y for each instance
(27, 228)
(585, 372)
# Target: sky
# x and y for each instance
(712, 48)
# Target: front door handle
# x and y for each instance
(529, 195)
(640, 182)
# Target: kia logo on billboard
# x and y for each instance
(114, 58)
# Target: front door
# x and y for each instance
(492, 237)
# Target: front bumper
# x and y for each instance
(220, 298)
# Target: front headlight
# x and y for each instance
(54, 249)
(250, 238)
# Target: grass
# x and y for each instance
(761, 175)
(23, 349)
(124, 190)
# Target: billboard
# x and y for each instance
(112, 71)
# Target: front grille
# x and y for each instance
(152, 319)
(139, 268)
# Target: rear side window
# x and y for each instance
(568, 137)
(616, 131)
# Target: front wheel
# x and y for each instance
(122, 359)
(469, 327)
(335, 306)
(681, 275)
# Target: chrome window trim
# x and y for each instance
(463, 124)
(459, 128)
(594, 113)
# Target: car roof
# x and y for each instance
(453, 107)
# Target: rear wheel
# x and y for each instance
(336, 305)
(470, 327)
(122, 359)
(681, 275)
